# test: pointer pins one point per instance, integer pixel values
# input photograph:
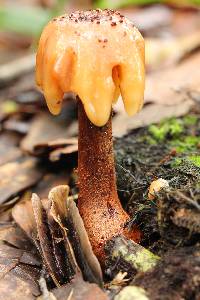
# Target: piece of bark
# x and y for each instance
(123, 255)
(17, 176)
(85, 257)
(64, 244)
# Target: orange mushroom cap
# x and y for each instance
(96, 54)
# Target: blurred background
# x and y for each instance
(172, 42)
(166, 25)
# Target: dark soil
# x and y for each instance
(171, 222)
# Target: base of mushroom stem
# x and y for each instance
(102, 231)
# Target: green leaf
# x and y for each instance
(121, 3)
(24, 20)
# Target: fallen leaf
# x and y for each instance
(8, 147)
(168, 93)
(161, 53)
(78, 289)
(46, 135)
(17, 176)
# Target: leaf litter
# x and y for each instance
(44, 249)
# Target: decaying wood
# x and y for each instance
(124, 255)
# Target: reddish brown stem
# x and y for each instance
(98, 203)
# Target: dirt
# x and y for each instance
(176, 277)
(170, 223)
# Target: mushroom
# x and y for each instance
(156, 186)
(96, 54)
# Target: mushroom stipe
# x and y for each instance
(98, 202)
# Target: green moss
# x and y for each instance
(195, 159)
(185, 144)
(172, 128)
(190, 120)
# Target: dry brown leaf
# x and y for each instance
(19, 272)
(58, 153)
(86, 259)
(23, 215)
(174, 85)
(17, 176)
(8, 147)
(168, 93)
(78, 289)
(46, 134)
(51, 246)
(17, 67)
(151, 113)
(165, 52)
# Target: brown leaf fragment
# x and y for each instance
(16, 125)
(66, 214)
(14, 288)
(17, 176)
(17, 273)
(58, 153)
(151, 18)
(15, 68)
(49, 181)
(46, 134)
(19, 282)
(14, 236)
(8, 148)
(78, 237)
(151, 113)
(78, 289)
(23, 215)
(48, 244)
(173, 85)
(170, 92)
(166, 52)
